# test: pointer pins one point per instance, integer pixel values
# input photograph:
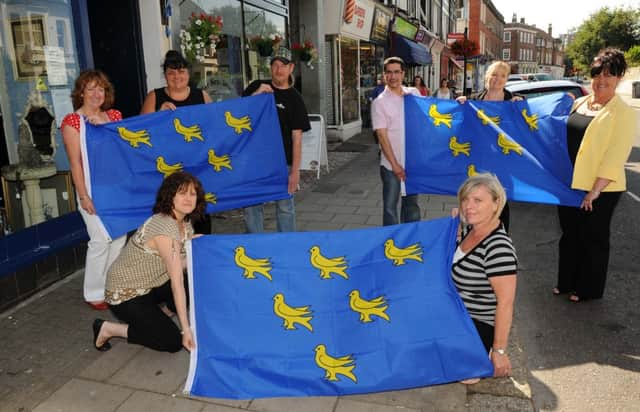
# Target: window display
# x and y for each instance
(350, 81)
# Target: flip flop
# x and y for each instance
(97, 325)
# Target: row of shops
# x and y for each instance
(46, 43)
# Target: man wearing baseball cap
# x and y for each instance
(294, 120)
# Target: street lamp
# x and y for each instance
(464, 70)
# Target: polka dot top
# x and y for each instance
(73, 119)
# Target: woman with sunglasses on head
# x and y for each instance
(600, 133)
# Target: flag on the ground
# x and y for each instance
(523, 143)
(328, 313)
(234, 147)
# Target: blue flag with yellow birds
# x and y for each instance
(523, 143)
(234, 147)
(328, 313)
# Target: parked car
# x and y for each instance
(543, 87)
(515, 77)
(537, 77)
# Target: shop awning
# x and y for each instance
(412, 53)
(456, 63)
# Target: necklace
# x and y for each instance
(594, 107)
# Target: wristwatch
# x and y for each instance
(499, 351)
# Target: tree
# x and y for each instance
(632, 56)
(619, 28)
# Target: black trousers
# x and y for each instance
(486, 332)
(584, 247)
(148, 324)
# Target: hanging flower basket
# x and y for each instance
(200, 36)
(305, 52)
(265, 45)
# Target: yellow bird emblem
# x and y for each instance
(508, 145)
(238, 124)
(343, 365)
(218, 162)
(291, 315)
(189, 132)
(210, 198)
(532, 120)
(399, 255)
(167, 169)
(471, 170)
(135, 138)
(487, 119)
(439, 118)
(327, 266)
(252, 266)
(367, 308)
(457, 148)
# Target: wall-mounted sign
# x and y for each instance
(453, 37)
(357, 19)
(404, 28)
(380, 26)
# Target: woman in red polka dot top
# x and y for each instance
(92, 98)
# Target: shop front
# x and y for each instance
(415, 54)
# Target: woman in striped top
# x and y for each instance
(485, 264)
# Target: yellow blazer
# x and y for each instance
(605, 146)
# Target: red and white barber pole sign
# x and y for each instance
(349, 10)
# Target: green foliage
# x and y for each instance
(632, 56)
(617, 27)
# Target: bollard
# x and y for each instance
(635, 90)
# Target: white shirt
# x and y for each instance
(387, 112)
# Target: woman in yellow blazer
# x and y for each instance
(600, 132)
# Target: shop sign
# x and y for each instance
(357, 19)
(380, 26)
(404, 28)
(423, 36)
(453, 37)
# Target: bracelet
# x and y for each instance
(499, 351)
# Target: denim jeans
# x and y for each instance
(285, 216)
(409, 209)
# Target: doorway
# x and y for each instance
(116, 42)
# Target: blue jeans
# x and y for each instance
(409, 209)
(285, 217)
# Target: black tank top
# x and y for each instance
(195, 97)
(576, 126)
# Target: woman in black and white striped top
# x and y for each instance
(485, 264)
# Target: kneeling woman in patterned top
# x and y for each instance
(150, 271)
(484, 266)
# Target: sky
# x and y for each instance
(562, 14)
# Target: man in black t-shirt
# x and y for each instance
(294, 120)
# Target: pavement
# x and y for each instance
(48, 363)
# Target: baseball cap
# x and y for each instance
(283, 54)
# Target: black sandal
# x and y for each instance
(97, 325)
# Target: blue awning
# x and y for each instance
(412, 53)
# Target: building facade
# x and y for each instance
(531, 50)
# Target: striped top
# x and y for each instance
(139, 268)
(493, 256)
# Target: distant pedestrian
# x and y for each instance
(444, 92)
(418, 83)
(149, 272)
(294, 120)
(485, 265)
(600, 132)
(388, 123)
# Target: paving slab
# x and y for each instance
(451, 397)
(154, 402)
(154, 371)
(310, 404)
(80, 395)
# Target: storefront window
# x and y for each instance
(220, 74)
(371, 57)
(349, 79)
(38, 66)
(262, 24)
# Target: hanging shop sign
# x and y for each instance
(404, 28)
(357, 19)
(380, 26)
(453, 37)
(425, 37)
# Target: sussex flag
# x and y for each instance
(523, 143)
(234, 147)
(328, 313)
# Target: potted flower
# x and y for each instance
(305, 52)
(200, 36)
(264, 45)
